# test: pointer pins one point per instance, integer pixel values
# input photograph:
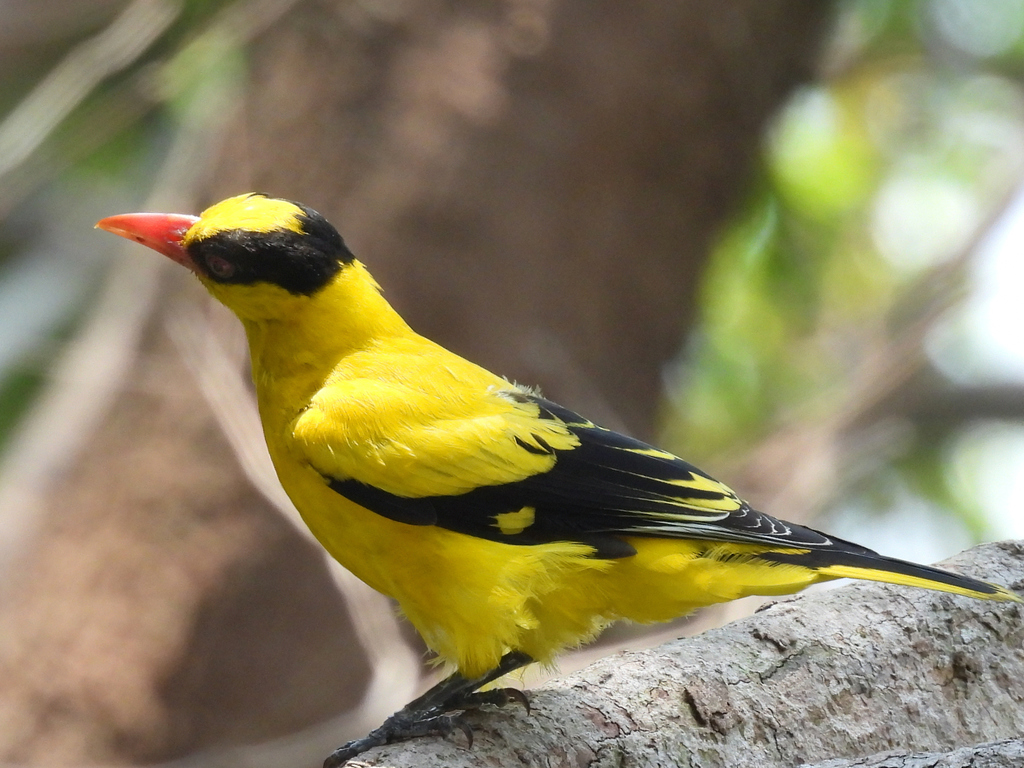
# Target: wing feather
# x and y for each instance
(576, 480)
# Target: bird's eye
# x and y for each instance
(220, 267)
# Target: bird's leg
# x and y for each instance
(438, 711)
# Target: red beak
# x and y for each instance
(162, 232)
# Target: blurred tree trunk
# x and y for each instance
(535, 183)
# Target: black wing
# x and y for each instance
(607, 487)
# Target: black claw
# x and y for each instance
(442, 725)
(459, 722)
(520, 697)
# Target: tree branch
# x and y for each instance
(1008, 753)
(839, 674)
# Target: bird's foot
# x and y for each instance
(442, 720)
(439, 711)
(400, 727)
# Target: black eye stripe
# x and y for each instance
(300, 262)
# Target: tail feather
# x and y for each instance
(862, 563)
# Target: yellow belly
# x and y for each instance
(472, 600)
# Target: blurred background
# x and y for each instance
(781, 237)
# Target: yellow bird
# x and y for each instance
(507, 527)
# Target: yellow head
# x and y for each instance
(259, 256)
(250, 212)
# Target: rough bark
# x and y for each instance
(839, 674)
